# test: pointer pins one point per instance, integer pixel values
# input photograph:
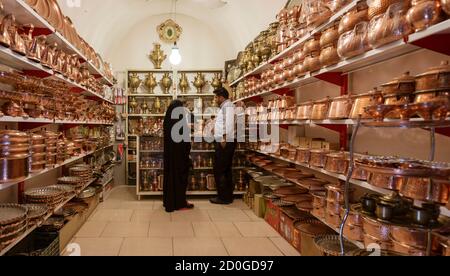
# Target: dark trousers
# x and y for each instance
(223, 172)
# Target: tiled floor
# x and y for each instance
(123, 226)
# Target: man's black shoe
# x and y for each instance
(219, 201)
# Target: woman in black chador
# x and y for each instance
(176, 159)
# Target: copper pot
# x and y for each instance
(340, 107)
(335, 193)
(436, 78)
(38, 149)
(320, 109)
(406, 249)
(318, 157)
(333, 207)
(312, 62)
(353, 232)
(37, 167)
(354, 217)
(404, 84)
(354, 42)
(329, 36)
(304, 111)
(377, 7)
(423, 14)
(337, 162)
(414, 237)
(332, 219)
(360, 102)
(417, 188)
(37, 158)
(14, 168)
(384, 181)
(370, 241)
(319, 203)
(8, 137)
(303, 155)
(432, 95)
(445, 4)
(376, 229)
(13, 150)
(329, 55)
(37, 139)
(353, 17)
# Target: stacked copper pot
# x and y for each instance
(14, 155)
(335, 201)
(37, 161)
(61, 154)
(51, 145)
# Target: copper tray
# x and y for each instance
(331, 245)
(44, 193)
(12, 213)
(36, 211)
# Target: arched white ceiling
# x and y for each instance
(104, 23)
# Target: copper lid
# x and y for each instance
(290, 191)
(405, 78)
(312, 227)
(305, 205)
(298, 198)
(443, 68)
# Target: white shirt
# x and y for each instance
(225, 122)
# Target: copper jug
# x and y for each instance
(166, 83)
(47, 56)
(216, 81)
(184, 83)
(199, 82)
(150, 83)
(27, 37)
(58, 61)
(5, 38)
(17, 42)
(36, 48)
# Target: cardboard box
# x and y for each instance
(260, 206)
(272, 215)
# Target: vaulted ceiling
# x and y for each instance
(104, 22)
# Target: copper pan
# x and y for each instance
(355, 217)
(313, 184)
(376, 229)
(340, 107)
(303, 155)
(385, 181)
(337, 162)
(318, 157)
(410, 236)
(417, 188)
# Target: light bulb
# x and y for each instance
(175, 57)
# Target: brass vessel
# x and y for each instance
(157, 106)
(133, 105)
(184, 83)
(199, 82)
(157, 56)
(166, 83)
(134, 82)
(216, 81)
(150, 83)
(144, 108)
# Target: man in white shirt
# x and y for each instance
(225, 138)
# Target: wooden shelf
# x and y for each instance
(31, 229)
(362, 184)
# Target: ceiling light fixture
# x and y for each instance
(175, 57)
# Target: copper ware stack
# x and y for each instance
(84, 172)
(37, 161)
(15, 152)
(328, 45)
(13, 223)
(353, 229)
(318, 157)
(335, 201)
(319, 204)
(50, 196)
(51, 146)
(76, 181)
(36, 213)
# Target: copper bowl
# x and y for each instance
(379, 112)
(432, 95)
(417, 188)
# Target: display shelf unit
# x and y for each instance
(381, 54)
(31, 229)
(149, 95)
(334, 122)
(362, 184)
(191, 193)
(26, 15)
(146, 115)
(6, 185)
(195, 95)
